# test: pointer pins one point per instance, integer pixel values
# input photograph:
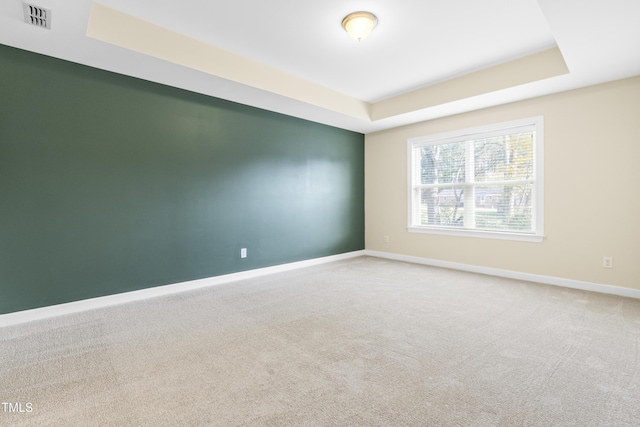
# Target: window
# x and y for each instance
(482, 182)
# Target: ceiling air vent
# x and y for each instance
(37, 16)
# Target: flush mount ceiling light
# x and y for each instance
(359, 24)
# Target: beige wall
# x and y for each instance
(592, 189)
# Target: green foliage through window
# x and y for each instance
(477, 181)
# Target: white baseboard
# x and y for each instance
(125, 297)
(548, 280)
(142, 294)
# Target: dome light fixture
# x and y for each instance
(359, 24)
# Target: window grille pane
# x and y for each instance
(442, 207)
(504, 207)
(504, 158)
(442, 164)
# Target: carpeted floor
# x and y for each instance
(363, 342)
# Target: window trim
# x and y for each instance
(537, 122)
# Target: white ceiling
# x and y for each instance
(305, 38)
(417, 44)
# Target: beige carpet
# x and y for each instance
(363, 342)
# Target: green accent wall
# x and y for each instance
(110, 184)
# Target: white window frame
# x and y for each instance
(537, 221)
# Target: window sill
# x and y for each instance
(498, 235)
